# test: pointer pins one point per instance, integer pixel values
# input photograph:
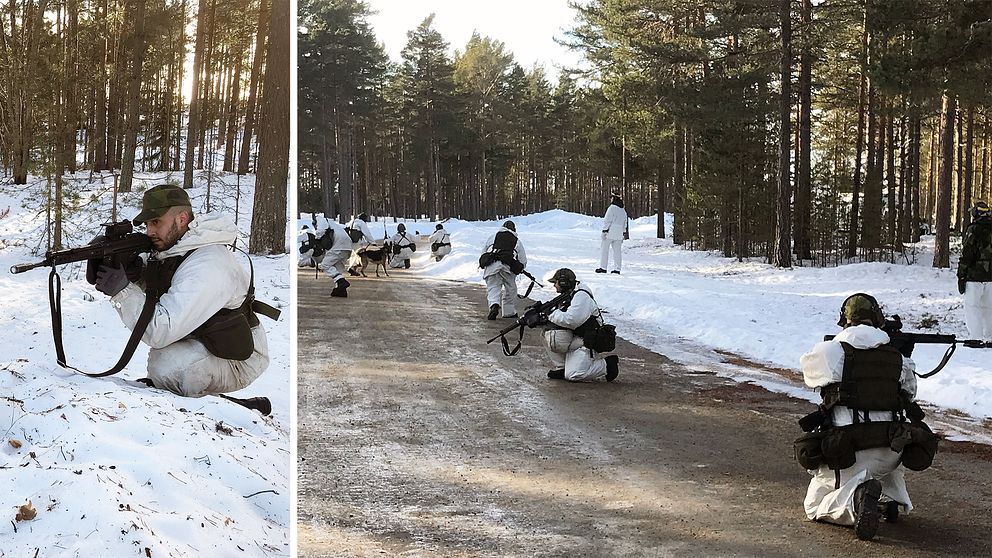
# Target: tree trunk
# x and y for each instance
(133, 96)
(941, 244)
(783, 252)
(678, 186)
(852, 231)
(969, 168)
(256, 68)
(804, 178)
(194, 103)
(268, 222)
(232, 117)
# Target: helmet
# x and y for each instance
(439, 227)
(981, 211)
(565, 278)
(401, 227)
(861, 308)
(363, 217)
(510, 225)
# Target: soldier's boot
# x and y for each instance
(493, 312)
(890, 511)
(612, 367)
(866, 513)
(556, 374)
(341, 290)
(600, 270)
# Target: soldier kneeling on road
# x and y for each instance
(440, 243)
(566, 334)
(866, 426)
(403, 248)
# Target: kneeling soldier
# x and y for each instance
(868, 389)
(572, 360)
(204, 335)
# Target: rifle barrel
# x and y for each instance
(21, 268)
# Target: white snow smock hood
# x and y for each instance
(209, 279)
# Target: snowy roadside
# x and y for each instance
(110, 467)
(748, 320)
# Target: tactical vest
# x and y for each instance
(590, 324)
(870, 380)
(226, 334)
(505, 250)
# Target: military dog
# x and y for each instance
(377, 254)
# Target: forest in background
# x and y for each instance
(94, 87)
(822, 134)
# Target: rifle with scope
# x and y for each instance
(905, 342)
(117, 246)
(533, 317)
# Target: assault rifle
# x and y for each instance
(118, 244)
(533, 317)
(905, 342)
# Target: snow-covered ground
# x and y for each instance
(110, 467)
(747, 320)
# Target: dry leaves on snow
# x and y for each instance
(16, 443)
(26, 512)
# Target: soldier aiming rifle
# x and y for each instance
(189, 301)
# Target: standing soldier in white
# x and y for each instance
(975, 273)
(614, 233)
(571, 359)
(403, 248)
(502, 259)
(440, 243)
(361, 238)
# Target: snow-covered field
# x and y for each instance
(110, 467)
(746, 320)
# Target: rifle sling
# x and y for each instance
(529, 289)
(55, 302)
(506, 344)
(943, 362)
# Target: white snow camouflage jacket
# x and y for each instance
(208, 280)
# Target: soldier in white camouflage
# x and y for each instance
(975, 273)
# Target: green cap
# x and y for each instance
(565, 278)
(159, 199)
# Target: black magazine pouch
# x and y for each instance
(227, 335)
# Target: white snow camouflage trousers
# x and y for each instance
(978, 310)
(501, 288)
(568, 351)
(187, 368)
(604, 255)
(836, 505)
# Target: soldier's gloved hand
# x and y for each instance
(961, 286)
(111, 280)
(533, 318)
(134, 267)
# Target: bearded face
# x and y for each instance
(166, 231)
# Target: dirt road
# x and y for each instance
(418, 439)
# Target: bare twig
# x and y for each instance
(261, 492)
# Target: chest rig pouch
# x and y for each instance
(870, 382)
(226, 334)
